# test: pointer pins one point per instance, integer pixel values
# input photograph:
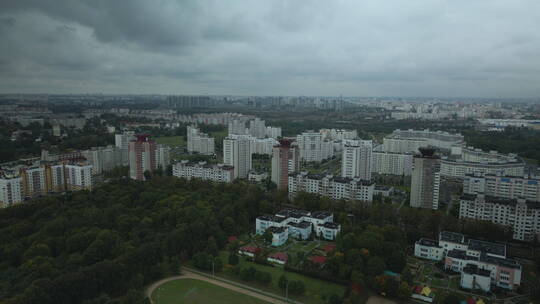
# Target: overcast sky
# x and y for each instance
(478, 48)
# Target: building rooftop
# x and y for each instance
(295, 213)
(473, 269)
(428, 242)
(274, 229)
(487, 247)
(320, 215)
(331, 225)
(302, 224)
(453, 237)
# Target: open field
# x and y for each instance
(172, 141)
(315, 288)
(192, 291)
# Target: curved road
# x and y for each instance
(191, 275)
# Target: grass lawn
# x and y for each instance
(172, 141)
(315, 288)
(190, 291)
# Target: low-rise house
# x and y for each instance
(278, 258)
(249, 251)
(318, 260)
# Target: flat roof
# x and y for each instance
(487, 247)
(274, 229)
(453, 237)
(320, 214)
(331, 225)
(428, 242)
(302, 224)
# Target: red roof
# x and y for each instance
(251, 249)
(329, 247)
(318, 259)
(232, 238)
(418, 289)
(282, 256)
(471, 301)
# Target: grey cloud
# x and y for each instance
(422, 47)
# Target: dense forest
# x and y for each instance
(104, 246)
(91, 247)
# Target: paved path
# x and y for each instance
(191, 275)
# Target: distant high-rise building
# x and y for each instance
(238, 127)
(313, 148)
(122, 142)
(34, 183)
(78, 177)
(142, 156)
(237, 153)
(285, 160)
(163, 156)
(257, 128)
(11, 189)
(199, 142)
(425, 180)
(356, 160)
(183, 101)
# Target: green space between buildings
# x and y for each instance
(315, 289)
(191, 291)
(172, 141)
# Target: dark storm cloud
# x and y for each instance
(420, 47)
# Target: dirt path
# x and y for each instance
(190, 275)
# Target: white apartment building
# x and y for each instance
(199, 142)
(331, 186)
(521, 215)
(425, 180)
(503, 186)
(11, 189)
(257, 128)
(458, 168)
(57, 181)
(204, 171)
(122, 143)
(78, 177)
(409, 141)
(273, 132)
(475, 155)
(391, 163)
(338, 134)
(357, 159)
(313, 148)
(104, 158)
(237, 153)
(238, 127)
(163, 156)
(262, 145)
